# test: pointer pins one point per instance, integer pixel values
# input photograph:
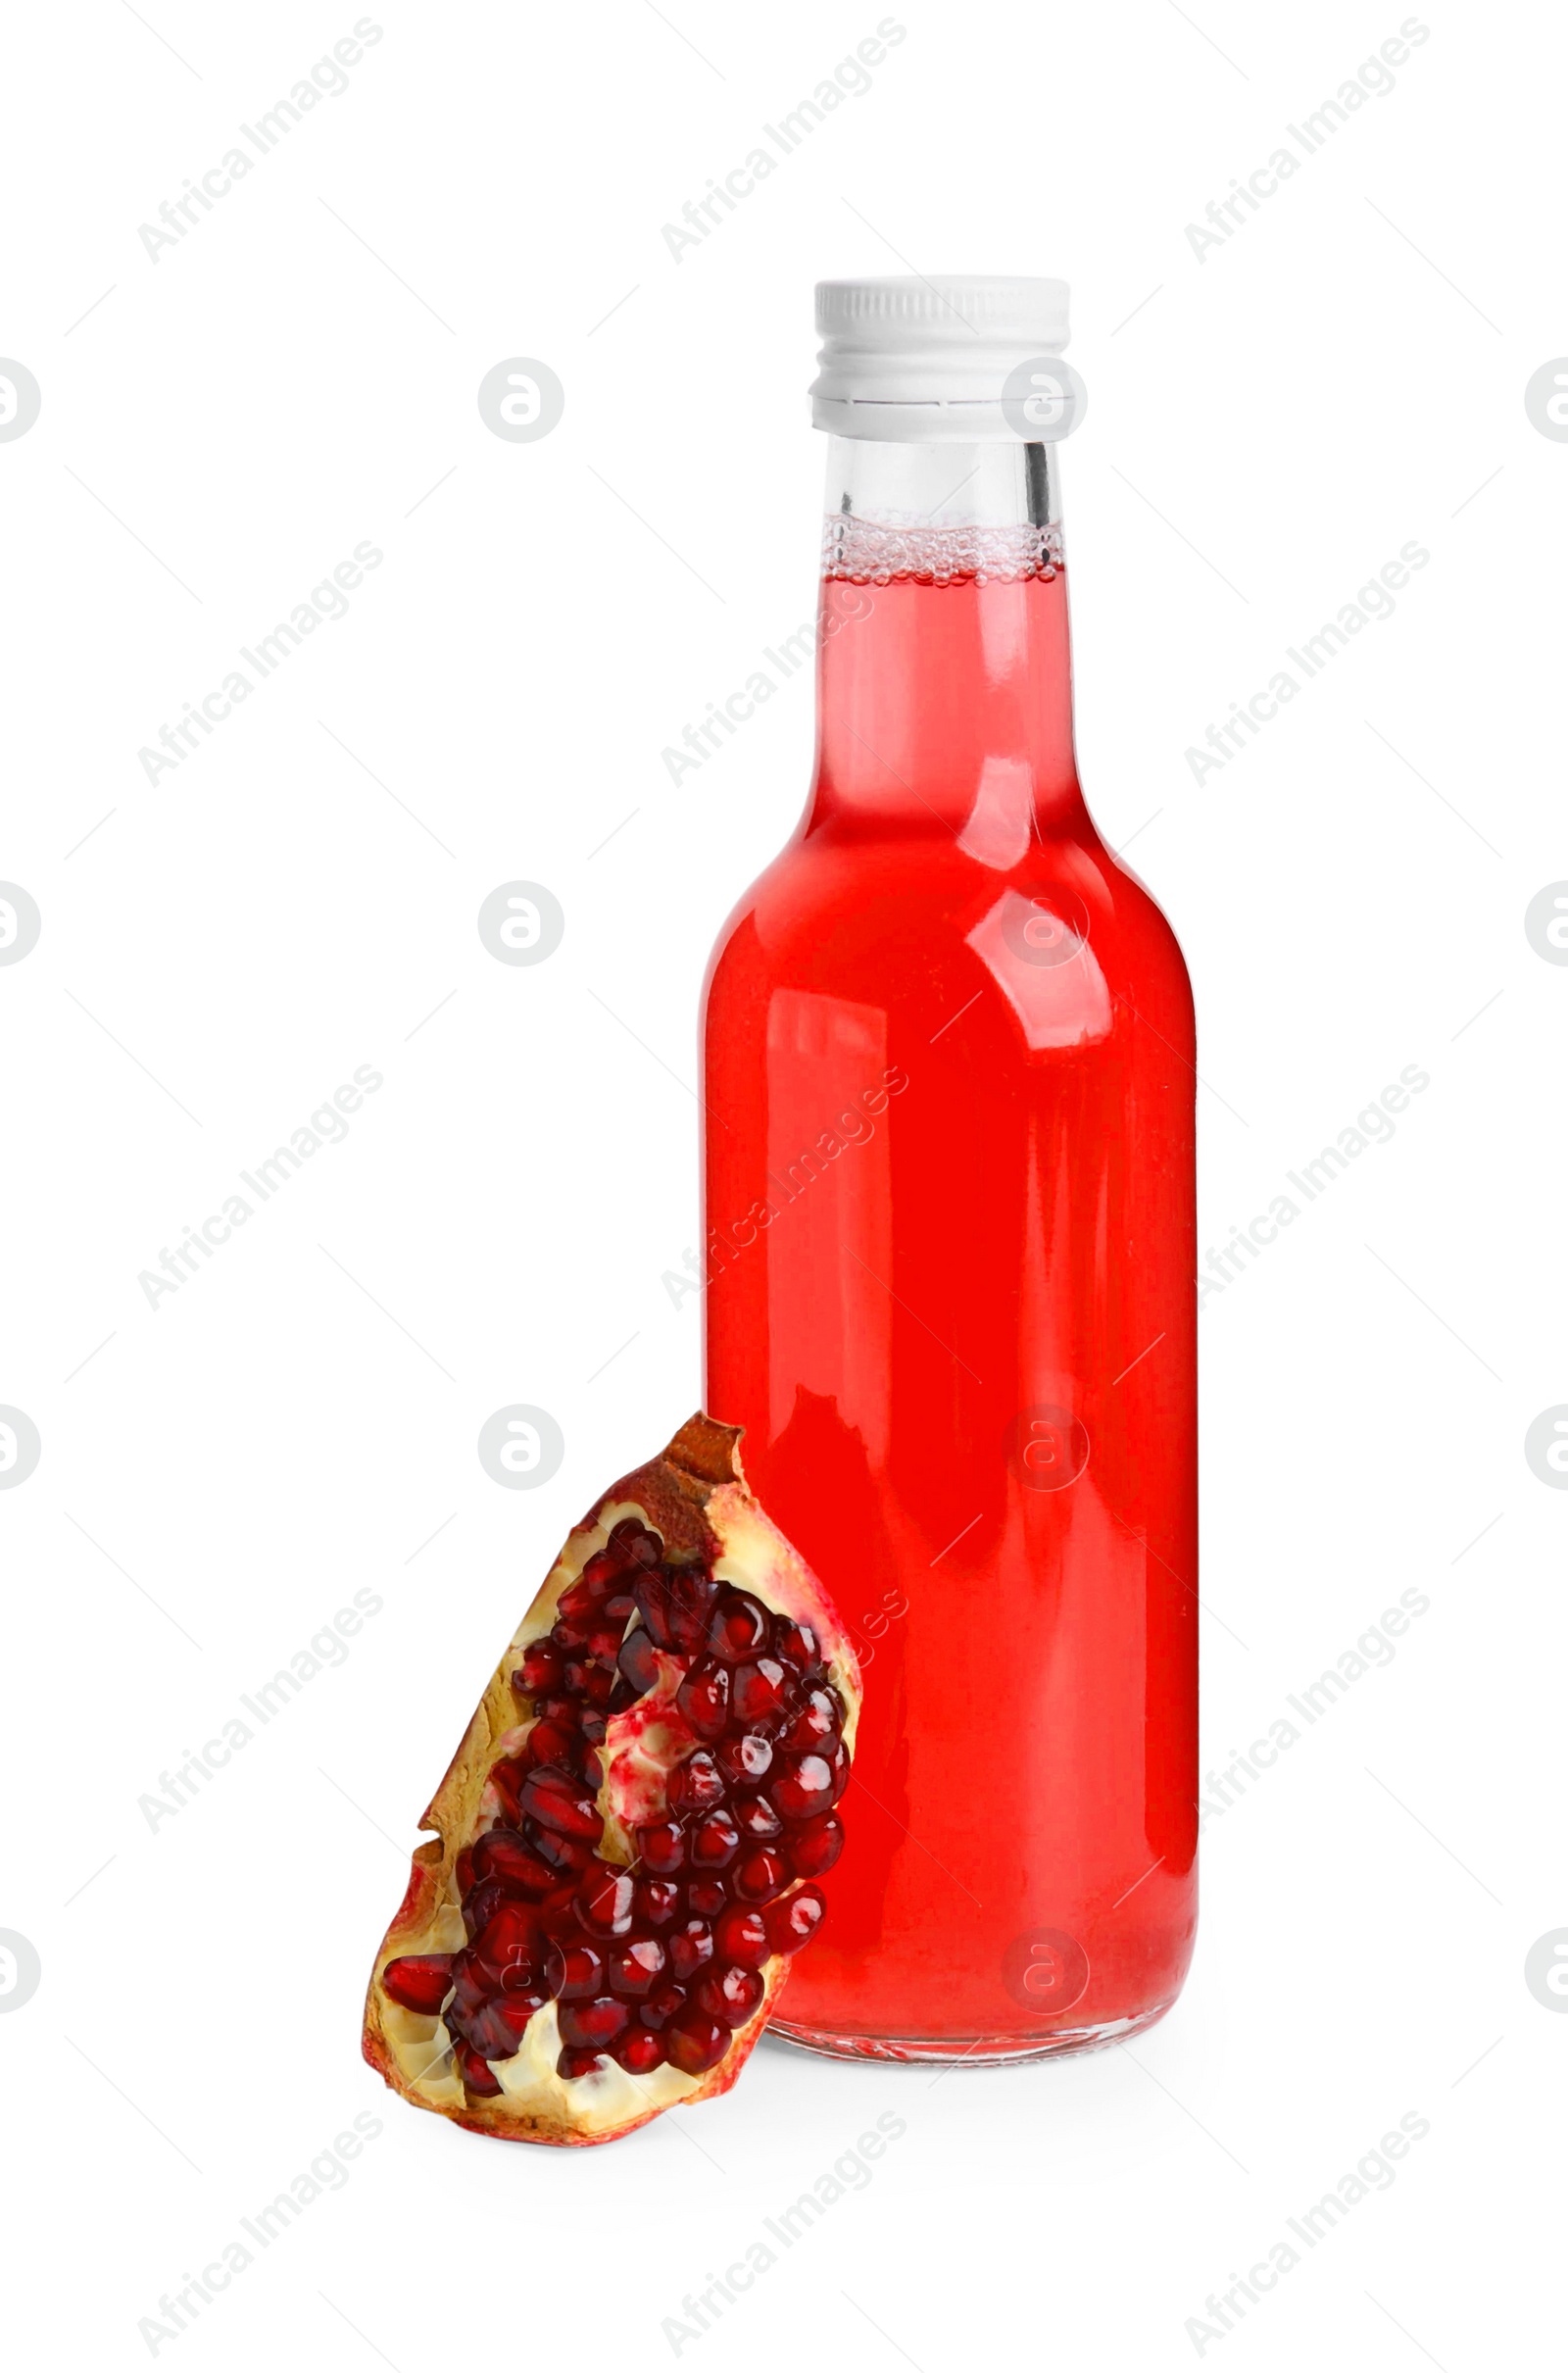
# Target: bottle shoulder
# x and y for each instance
(831, 904)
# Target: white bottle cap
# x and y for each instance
(962, 359)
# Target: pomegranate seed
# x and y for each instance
(742, 1936)
(729, 1995)
(502, 1854)
(558, 1801)
(739, 1627)
(509, 1944)
(599, 1687)
(590, 2025)
(640, 2052)
(691, 1949)
(483, 1900)
(558, 1914)
(754, 1818)
(419, 1981)
(694, 2042)
(604, 1641)
(634, 1540)
(819, 1719)
(661, 2006)
(577, 2063)
(759, 1690)
(798, 1644)
(496, 2028)
(662, 1848)
(657, 1608)
(707, 1898)
(579, 1598)
(636, 1968)
(816, 1846)
(714, 1840)
(540, 1670)
(657, 1902)
(471, 1984)
(572, 1972)
(691, 1601)
(565, 1857)
(619, 1607)
(595, 1729)
(604, 1903)
(697, 1785)
(570, 1633)
(760, 1875)
(805, 1786)
(638, 1661)
(600, 1575)
(506, 1778)
(474, 2073)
(559, 1708)
(704, 1699)
(464, 1867)
(552, 1741)
(620, 1697)
(746, 1760)
(796, 1920)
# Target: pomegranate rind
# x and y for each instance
(696, 1498)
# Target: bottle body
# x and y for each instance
(949, 1176)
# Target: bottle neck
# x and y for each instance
(944, 672)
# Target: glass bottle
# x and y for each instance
(949, 1219)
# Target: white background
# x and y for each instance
(221, 949)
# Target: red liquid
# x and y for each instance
(960, 1336)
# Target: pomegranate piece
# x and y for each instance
(419, 1981)
(624, 1830)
